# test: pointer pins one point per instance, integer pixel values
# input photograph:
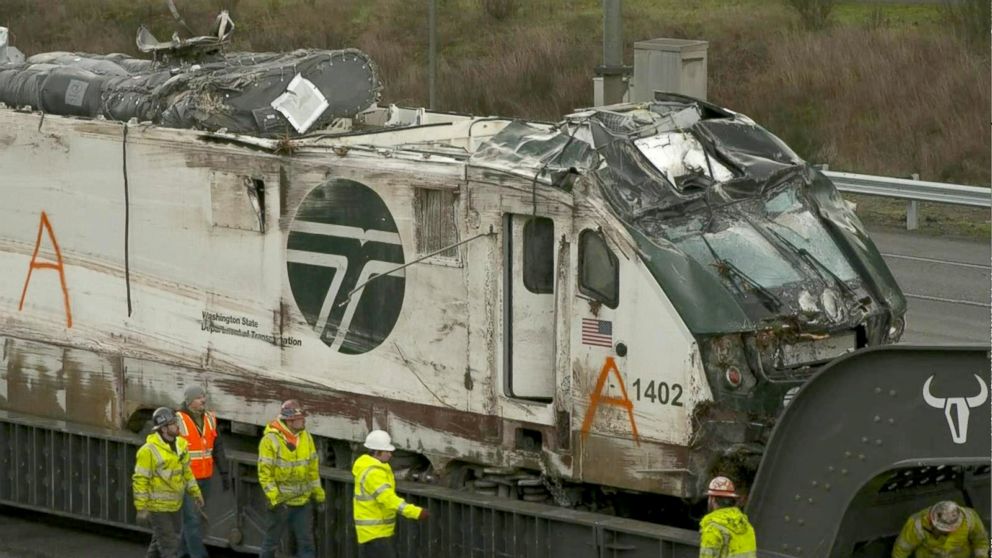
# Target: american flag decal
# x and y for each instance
(597, 332)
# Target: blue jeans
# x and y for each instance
(191, 536)
(298, 519)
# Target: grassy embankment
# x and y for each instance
(888, 89)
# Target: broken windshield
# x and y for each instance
(738, 244)
(788, 218)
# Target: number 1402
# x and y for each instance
(661, 392)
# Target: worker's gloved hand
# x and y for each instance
(321, 507)
(277, 507)
(199, 501)
(225, 480)
(143, 516)
(424, 515)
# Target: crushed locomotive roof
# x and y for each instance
(736, 227)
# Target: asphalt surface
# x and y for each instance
(947, 283)
(33, 535)
(29, 535)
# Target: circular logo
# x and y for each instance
(341, 237)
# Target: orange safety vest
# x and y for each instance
(200, 444)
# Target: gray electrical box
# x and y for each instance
(669, 65)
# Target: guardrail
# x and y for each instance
(913, 190)
(909, 189)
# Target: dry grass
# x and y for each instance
(881, 102)
(815, 14)
(934, 219)
(891, 92)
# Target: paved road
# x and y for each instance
(29, 535)
(947, 284)
(26, 535)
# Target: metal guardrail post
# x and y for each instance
(912, 221)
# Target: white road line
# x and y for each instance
(948, 300)
(933, 260)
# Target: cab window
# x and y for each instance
(539, 255)
(599, 270)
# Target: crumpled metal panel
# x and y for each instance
(733, 254)
(537, 151)
(739, 232)
(851, 235)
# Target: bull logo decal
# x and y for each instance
(957, 409)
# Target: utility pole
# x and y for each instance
(432, 54)
(612, 69)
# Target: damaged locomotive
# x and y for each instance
(615, 305)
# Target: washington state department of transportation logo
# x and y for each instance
(342, 236)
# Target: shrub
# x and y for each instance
(499, 9)
(971, 18)
(815, 14)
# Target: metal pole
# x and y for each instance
(912, 211)
(612, 34)
(612, 69)
(432, 54)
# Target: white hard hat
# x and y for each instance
(379, 440)
(946, 516)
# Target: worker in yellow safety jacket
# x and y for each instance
(725, 531)
(288, 472)
(944, 530)
(161, 477)
(376, 503)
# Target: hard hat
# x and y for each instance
(163, 416)
(722, 486)
(379, 440)
(291, 409)
(946, 516)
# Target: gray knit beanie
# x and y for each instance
(194, 391)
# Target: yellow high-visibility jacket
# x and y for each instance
(919, 539)
(162, 476)
(288, 466)
(376, 503)
(726, 533)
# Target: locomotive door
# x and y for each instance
(529, 255)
